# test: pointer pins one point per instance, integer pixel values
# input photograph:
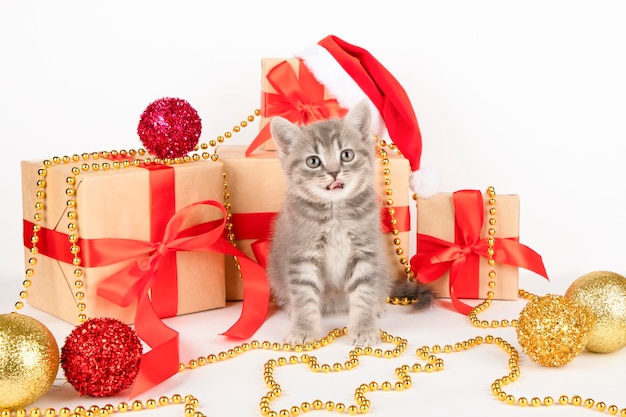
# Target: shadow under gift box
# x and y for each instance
(122, 204)
(257, 188)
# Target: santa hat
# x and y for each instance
(350, 74)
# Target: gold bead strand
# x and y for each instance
(497, 387)
(213, 143)
(405, 301)
(189, 402)
(72, 215)
(391, 210)
(72, 227)
(491, 241)
(228, 207)
(229, 223)
(362, 403)
(410, 274)
(473, 314)
(40, 196)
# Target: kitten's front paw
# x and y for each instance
(364, 336)
(302, 337)
(381, 311)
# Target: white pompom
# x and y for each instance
(424, 183)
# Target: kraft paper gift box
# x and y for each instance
(123, 207)
(257, 188)
(452, 232)
(288, 89)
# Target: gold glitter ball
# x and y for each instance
(603, 294)
(29, 360)
(553, 330)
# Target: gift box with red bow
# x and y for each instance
(128, 220)
(134, 242)
(452, 246)
(289, 90)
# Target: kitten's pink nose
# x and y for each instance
(334, 174)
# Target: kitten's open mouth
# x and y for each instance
(335, 185)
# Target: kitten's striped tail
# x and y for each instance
(414, 290)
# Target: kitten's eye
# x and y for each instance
(313, 162)
(347, 155)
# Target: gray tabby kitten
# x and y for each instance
(327, 253)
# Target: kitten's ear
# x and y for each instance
(284, 133)
(360, 118)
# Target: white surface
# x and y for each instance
(528, 97)
(235, 387)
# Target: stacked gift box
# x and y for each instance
(118, 213)
(258, 188)
(129, 204)
(135, 204)
(139, 238)
(439, 217)
(289, 90)
(119, 207)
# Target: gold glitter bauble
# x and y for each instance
(552, 330)
(29, 360)
(603, 293)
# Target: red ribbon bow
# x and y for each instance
(436, 256)
(299, 99)
(150, 271)
(135, 281)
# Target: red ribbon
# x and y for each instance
(299, 99)
(258, 226)
(436, 256)
(135, 282)
(151, 276)
(149, 266)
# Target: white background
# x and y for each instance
(526, 96)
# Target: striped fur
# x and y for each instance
(326, 254)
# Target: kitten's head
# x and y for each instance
(328, 160)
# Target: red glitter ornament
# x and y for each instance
(101, 357)
(169, 128)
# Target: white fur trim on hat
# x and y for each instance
(424, 182)
(339, 83)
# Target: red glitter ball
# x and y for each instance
(101, 357)
(169, 128)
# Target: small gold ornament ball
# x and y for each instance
(29, 360)
(603, 293)
(552, 330)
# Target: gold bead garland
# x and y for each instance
(189, 401)
(485, 304)
(403, 259)
(404, 380)
(129, 159)
(229, 224)
(363, 404)
(497, 385)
